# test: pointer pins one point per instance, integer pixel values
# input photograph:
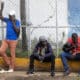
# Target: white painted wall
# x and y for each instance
(40, 11)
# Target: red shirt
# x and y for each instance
(77, 50)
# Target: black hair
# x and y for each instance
(74, 34)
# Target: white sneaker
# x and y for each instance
(2, 71)
(10, 70)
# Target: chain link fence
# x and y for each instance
(44, 17)
(56, 36)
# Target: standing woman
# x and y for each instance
(12, 33)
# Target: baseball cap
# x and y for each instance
(12, 12)
(42, 38)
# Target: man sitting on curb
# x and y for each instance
(71, 51)
(42, 52)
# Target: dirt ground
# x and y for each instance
(38, 76)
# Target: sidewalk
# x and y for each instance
(21, 75)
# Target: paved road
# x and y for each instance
(21, 75)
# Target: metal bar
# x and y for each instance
(56, 29)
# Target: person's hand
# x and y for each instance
(2, 6)
(41, 58)
(73, 55)
(0, 13)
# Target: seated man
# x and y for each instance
(42, 52)
(71, 51)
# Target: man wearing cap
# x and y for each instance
(12, 32)
(44, 53)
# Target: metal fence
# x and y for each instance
(53, 13)
(56, 36)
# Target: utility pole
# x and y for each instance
(23, 22)
(56, 29)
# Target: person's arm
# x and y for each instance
(50, 51)
(35, 49)
(16, 25)
(1, 11)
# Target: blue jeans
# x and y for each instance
(65, 56)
